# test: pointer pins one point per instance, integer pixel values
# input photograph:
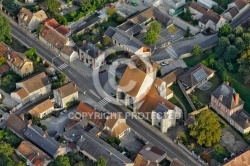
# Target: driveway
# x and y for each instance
(56, 123)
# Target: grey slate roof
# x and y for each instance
(47, 144)
(96, 147)
(242, 118)
(135, 29)
(194, 75)
(233, 11)
(92, 50)
(124, 38)
(228, 95)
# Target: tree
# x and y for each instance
(231, 37)
(6, 161)
(207, 129)
(87, 6)
(73, 14)
(225, 30)
(5, 31)
(222, 45)
(106, 41)
(187, 15)
(61, 19)
(53, 6)
(197, 51)
(60, 161)
(111, 11)
(188, 34)
(182, 137)
(151, 37)
(238, 31)
(246, 38)
(101, 161)
(6, 149)
(231, 53)
(155, 26)
(244, 62)
(119, 18)
(239, 44)
(1, 134)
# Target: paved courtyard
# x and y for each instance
(131, 143)
(173, 65)
(7, 100)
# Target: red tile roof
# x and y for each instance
(4, 68)
(62, 29)
(51, 22)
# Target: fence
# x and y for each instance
(186, 96)
(195, 156)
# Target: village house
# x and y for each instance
(127, 42)
(33, 155)
(56, 36)
(42, 109)
(150, 154)
(30, 21)
(90, 55)
(95, 119)
(206, 17)
(242, 159)
(16, 124)
(43, 141)
(20, 64)
(171, 77)
(116, 125)
(195, 77)
(65, 94)
(31, 88)
(227, 102)
(235, 8)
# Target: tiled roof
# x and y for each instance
(210, 15)
(171, 76)
(17, 59)
(16, 124)
(42, 140)
(68, 89)
(227, 93)
(192, 76)
(197, 7)
(51, 22)
(4, 68)
(42, 107)
(62, 30)
(89, 113)
(40, 15)
(132, 80)
(233, 11)
(22, 93)
(36, 82)
(31, 152)
(241, 160)
(141, 161)
(119, 129)
(4, 49)
(67, 50)
(25, 15)
(53, 37)
(152, 153)
(240, 4)
(112, 119)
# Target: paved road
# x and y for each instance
(183, 49)
(86, 84)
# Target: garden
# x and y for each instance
(9, 80)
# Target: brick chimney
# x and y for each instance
(236, 98)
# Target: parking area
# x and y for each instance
(131, 143)
(7, 101)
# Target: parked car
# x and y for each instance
(164, 63)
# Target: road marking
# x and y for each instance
(62, 66)
(91, 91)
(104, 101)
(172, 52)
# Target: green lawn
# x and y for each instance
(241, 88)
(177, 91)
(204, 96)
(191, 61)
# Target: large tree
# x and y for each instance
(222, 45)
(238, 31)
(151, 37)
(155, 26)
(230, 53)
(246, 38)
(101, 161)
(225, 30)
(244, 67)
(6, 149)
(239, 44)
(60, 161)
(207, 129)
(5, 31)
(53, 6)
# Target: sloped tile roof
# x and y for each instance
(41, 108)
(17, 59)
(22, 93)
(68, 89)
(241, 160)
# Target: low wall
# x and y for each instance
(198, 111)
(184, 25)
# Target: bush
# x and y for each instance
(71, 104)
(114, 140)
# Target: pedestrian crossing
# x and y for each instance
(104, 101)
(62, 66)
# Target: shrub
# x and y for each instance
(71, 104)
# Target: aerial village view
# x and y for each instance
(124, 83)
